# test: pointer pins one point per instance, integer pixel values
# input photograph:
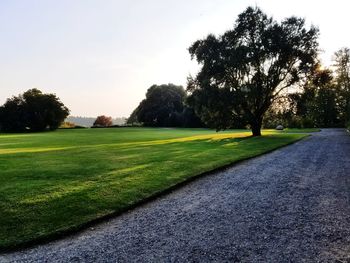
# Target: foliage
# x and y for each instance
(318, 102)
(244, 70)
(316, 105)
(103, 121)
(165, 106)
(273, 118)
(133, 119)
(189, 119)
(162, 106)
(70, 125)
(67, 125)
(32, 111)
(76, 176)
(89, 121)
(342, 79)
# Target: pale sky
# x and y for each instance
(101, 56)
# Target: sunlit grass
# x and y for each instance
(55, 181)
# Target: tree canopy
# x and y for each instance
(244, 70)
(342, 79)
(32, 111)
(103, 121)
(323, 100)
(318, 102)
(164, 106)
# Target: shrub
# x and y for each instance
(103, 121)
(67, 125)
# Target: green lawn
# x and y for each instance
(290, 130)
(56, 181)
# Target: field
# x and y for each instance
(57, 181)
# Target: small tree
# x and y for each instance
(244, 70)
(32, 111)
(103, 121)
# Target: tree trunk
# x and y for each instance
(256, 127)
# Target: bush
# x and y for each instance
(67, 125)
(70, 125)
(102, 121)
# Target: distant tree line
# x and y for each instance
(89, 121)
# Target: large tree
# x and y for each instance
(244, 70)
(32, 111)
(162, 107)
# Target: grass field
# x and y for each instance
(56, 181)
(294, 130)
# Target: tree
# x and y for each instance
(190, 119)
(342, 79)
(342, 67)
(323, 108)
(32, 111)
(317, 104)
(103, 121)
(162, 107)
(133, 119)
(244, 70)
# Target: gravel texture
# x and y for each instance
(292, 205)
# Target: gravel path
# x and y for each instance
(292, 205)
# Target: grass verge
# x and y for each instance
(304, 130)
(57, 182)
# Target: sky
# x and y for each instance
(100, 57)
